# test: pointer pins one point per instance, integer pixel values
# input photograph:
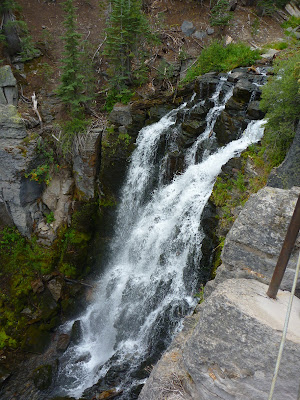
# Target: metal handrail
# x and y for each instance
(285, 252)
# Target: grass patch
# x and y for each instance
(218, 58)
(292, 22)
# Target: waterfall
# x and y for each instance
(152, 277)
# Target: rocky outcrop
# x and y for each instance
(17, 156)
(241, 107)
(8, 86)
(254, 242)
(228, 347)
(86, 163)
(287, 174)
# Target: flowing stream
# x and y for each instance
(153, 274)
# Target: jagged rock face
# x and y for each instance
(254, 242)
(86, 162)
(242, 107)
(288, 173)
(17, 155)
(228, 347)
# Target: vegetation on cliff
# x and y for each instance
(281, 102)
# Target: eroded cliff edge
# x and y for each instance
(228, 347)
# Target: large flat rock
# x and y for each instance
(228, 349)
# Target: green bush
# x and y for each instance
(218, 58)
(281, 102)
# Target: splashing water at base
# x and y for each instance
(144, 290)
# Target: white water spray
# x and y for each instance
(158, 237)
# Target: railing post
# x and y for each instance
(285, 252)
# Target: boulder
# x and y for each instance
(76, 332)
(243, 90)
(254, 110)
(194, 127)
(63, 342)
(187, 28)
(228, 348)
(255, 239)
(200, 35)
(229, 127)
(288, 173)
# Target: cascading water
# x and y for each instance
(150, 281)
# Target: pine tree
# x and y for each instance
(126, 31)
(72, 80)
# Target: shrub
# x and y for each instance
(281, 102)
(218, 58)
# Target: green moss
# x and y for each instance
(231, 192)
(24, 261)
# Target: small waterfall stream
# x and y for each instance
(153, 273)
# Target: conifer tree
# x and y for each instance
(127, 29)
(72, 80)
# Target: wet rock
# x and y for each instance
(236, 76)
(242, 90)
(234, 105)
(121, 115)
(206, 85)
(194, 127)
(187, 28)
(158, 111)
(287, 174)
(228, 128)
(76, 332)
(63, 342)
(254, 110)
(42, 377)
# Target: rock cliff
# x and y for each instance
(228, 347)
